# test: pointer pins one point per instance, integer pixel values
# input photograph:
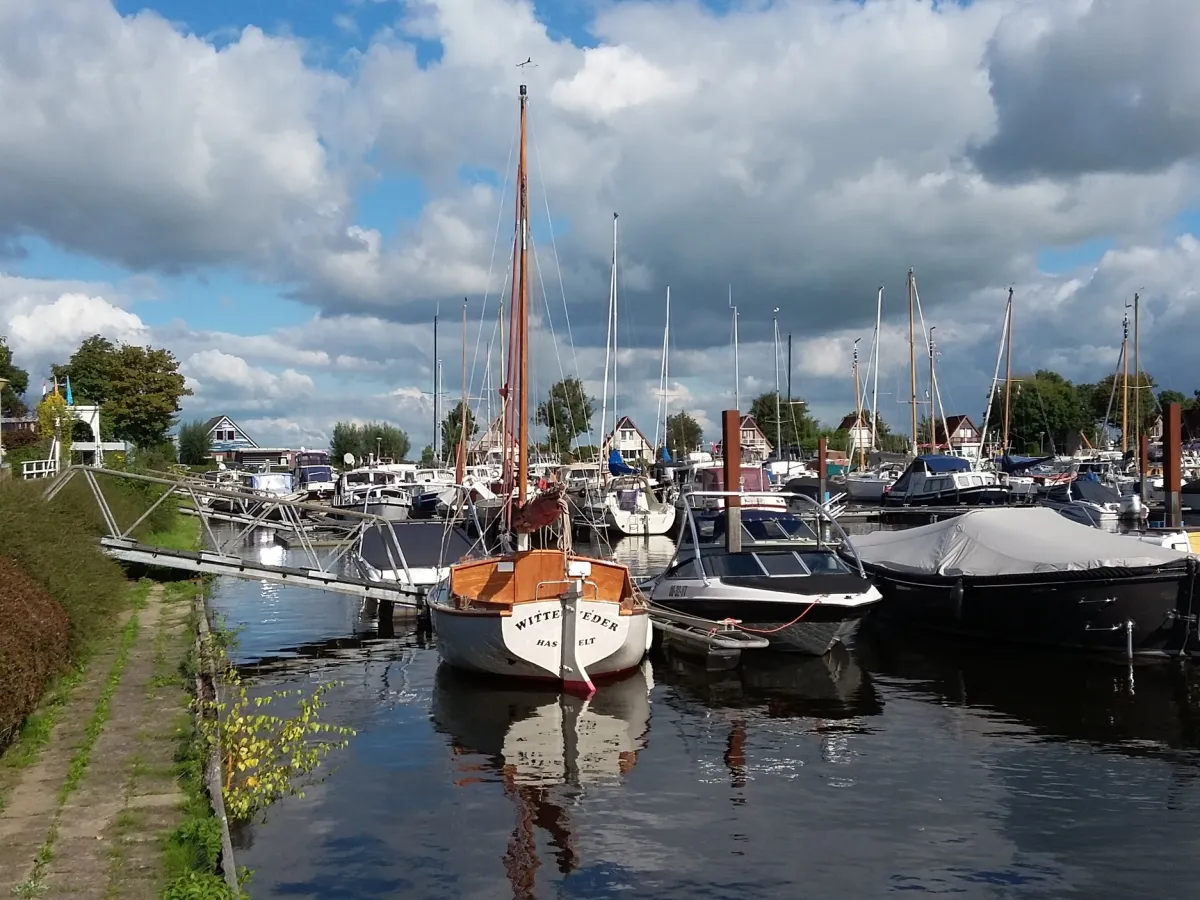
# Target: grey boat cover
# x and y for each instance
(1007, 541)
(426, 544)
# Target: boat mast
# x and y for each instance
(1137, 387)
(437, 419)
(858, 410)
(609, 352)
(778, 417)
(991, 400)
(1007, 370)
(933, 442)
(523, 326)
(1125, 385)
(460, 467)
(875, 366)
(791, 413)
(912, 360)
(666, 374)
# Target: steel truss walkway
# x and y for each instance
(280, 515)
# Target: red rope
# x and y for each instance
(735, 624)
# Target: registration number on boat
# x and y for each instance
(677, 590)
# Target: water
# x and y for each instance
(906, 766)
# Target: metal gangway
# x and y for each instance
(320, 570)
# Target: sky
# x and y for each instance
(284, 193)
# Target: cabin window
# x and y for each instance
(732, 565)
(782, 564)
(685, 569)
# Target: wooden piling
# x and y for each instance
(731, 464)
(1173, 465)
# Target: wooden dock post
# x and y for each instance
(822, 469)
(731, 464)
(1172, 465)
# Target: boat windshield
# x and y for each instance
(777, 563)
(779, 528)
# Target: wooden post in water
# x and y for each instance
(1172, 465)
(731, 464)
(822, 468)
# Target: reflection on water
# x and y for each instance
(901, 766)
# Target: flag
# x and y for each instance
(56, 384)
(43, 388)
(70, 399)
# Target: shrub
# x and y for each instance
(33, 645)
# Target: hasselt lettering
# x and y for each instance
(538, 617)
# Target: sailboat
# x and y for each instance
(868, 485)
(546, 614)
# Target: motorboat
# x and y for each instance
(416, 553)
(938, 480)
(1085, 500)
(314, 475)
(869, 485)
(795, 580)
(373, 491)
(1029, 575)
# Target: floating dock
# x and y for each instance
(719, 643)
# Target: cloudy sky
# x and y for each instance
(283, 192)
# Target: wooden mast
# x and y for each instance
(1125, 386)
(523, 319)
(912, 361)
(460, 466)
(1007, 370)
(858, 410)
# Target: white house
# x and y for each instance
(964, 436)
(226, 438)
(756, 447)
(629, 439)
(859, 428)
(488, 448)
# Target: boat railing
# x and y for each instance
(806, 504)
(567, 582)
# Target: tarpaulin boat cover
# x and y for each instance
(1009, 541)
(426, 544)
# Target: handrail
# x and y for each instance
(568, 582)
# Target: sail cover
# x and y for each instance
(1007, 541)
(618, 466)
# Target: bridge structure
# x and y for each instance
(321, 570)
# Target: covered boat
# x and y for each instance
(1029, 575)
(937, 480)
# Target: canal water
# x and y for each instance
(904, 766)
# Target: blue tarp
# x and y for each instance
(664, 455)
(1010, 464)
(618, 466)
(938, 464)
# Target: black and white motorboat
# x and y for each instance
(416, 553)
(1029, 575)
(936, 480)
(1087, 501)
(787, 582)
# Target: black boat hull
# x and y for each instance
(789, 626)
(1140, 613)
(985, 495)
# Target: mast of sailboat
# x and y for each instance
(437, 419)
(610, 347)
(1007, 369)
(737, 378)
(1125, 385)
(875, 366)
(523, 326)
(666, 372)
(1137, 387)
(460, 465)
(858, 442)
(991, 400)
(778, 417)
(912, 360)
(789, 389)
(933, 397)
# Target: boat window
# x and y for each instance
(684, 569)
(823, 563)
(732, 565)
(783, 563)
(779, 529)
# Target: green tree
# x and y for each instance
(684, 434)
(427, 459)
(378, 438)
(1098, 397)
(795, 427)
(195, 443)
(91, 369)
(451, 428)
(1046, 410)
(566, 413)
(11, 403)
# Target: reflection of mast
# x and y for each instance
(735, 753)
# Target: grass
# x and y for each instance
(182, 534)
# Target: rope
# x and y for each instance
(735, 624)
(564, 537)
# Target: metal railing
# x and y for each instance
(262, 511)
(39, 468)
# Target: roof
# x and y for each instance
(212, 423)
(850, 421)
(953, 423)
(626, 422)
(748, 421)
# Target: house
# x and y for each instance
(627, 438)
(964, 436)
(227, 438)
(756, 447)
(488, 448)
(859, 429)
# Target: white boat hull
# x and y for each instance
(865, 490)
(639, 521)
(527, 643)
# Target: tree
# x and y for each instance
(1046, 411)
(684, 434)
(451, 427)
(363, 441)
(1108, 390)
(90, 368)
(195, 443)
(427, 460)
(795, 426)
(566, 413)
(11, 403)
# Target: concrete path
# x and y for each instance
(87, 819)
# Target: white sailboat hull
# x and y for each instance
(527, 642)
(640, 521)
(868, 490)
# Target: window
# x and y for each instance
(786, 563)
(684, 569)
(732, 565)
(823, 563)
(627, 434)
